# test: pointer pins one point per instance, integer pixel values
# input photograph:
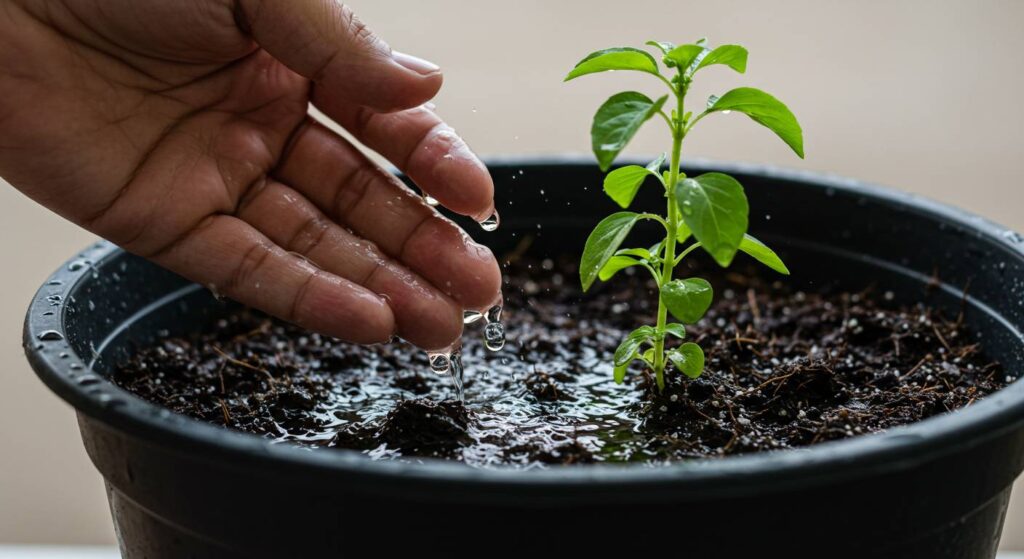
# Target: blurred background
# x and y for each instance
(916, 95)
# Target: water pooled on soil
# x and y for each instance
(783, 370)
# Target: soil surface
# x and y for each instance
(784, 369)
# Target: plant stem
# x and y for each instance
(668, 261)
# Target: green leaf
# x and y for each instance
(676, 329)
(688, 358)
(664, 46)
(715, 209)
(687, 299)
(623, 183)
(641, 253)
(683, 56)
(655, 250)
(602, 243)
(733, 56)
(627, 349)
(617, 121)
(616, 58)
(620, 373)
(765, 110)
(614, 265)
(763, 254)
(648, 356)
(682, 232)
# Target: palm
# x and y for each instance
(174, 134)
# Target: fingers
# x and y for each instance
(325, 42)
(424, 316)
(233, 259)
(419, 143)
(350, 189)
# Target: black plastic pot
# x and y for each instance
(935, 489)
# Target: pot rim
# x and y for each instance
(899, 447)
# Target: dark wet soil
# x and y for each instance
(783, 370)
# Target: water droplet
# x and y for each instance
(216, 294)
(458, 375)
(491, 223)
(88, 380)
(50, 336)
(91, 305)
(430, 200)
(78, 265)
(1013, 236)
(440, 363)
(494, 336)
(494, 314)
(469, 317)
(55, 282)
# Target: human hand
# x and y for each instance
(179, 131)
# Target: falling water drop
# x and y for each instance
(494, 336)
(457, 375)
(430, 200)
(469, 317)
(491, 223)
(494, 332)
(440, 363)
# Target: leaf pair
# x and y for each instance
(694, 57)
(688, 358)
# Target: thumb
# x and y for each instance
(325, 42)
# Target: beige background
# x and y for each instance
(918, 95)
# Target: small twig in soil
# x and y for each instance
(243, 364)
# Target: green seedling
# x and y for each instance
(708, 211)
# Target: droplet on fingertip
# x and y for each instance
(469, 317)
(430, 200)
(491, 223)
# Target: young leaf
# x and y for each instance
(623, 183)
(627, 349)
(648, 356)
(763, 254)
(765, 110)
(614, 265)
(655, 250)
(663, 46)
(683, 55)
(733, 56)
(617, 121)
(641, 253)
(602, 243)
(715, 209)
(682, 232)
(676, 329)
(620, 373)
(687, 299)
(688, 358)
(616, 58)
